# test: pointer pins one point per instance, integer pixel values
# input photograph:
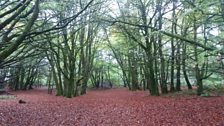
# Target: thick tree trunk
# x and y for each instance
(199, 87)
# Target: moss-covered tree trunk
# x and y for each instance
(21, 37)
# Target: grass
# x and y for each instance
(6, 97)
(182, 93)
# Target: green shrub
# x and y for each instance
(205, 95)
(215, 88)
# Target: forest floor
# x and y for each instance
(113, 107)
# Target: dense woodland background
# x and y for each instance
(155, 45)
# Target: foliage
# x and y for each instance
(149, 44)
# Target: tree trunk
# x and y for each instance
(172, 88)
(200, 87)
(184, 67)
(163, 83)
(198, 74)
(178, 66)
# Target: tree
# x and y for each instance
(9, 26)
(154, 42)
